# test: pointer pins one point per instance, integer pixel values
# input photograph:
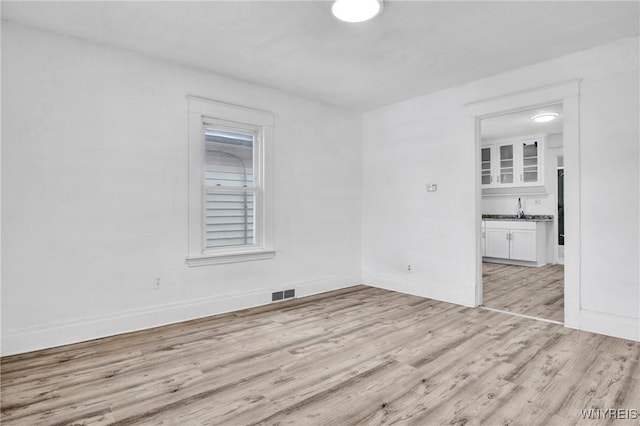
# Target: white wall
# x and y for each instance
(425, 139)
(0, 180)
(541, 204)
(94, 186)
(94, 168)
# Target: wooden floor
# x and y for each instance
(357, 356)
(537, 292)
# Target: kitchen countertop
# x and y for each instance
(526, 218)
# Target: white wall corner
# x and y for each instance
(421, 288)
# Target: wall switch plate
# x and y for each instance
(432, 187)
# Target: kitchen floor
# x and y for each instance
(537, 292)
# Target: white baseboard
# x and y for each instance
(430, 290)
(64, 333)
(610, 325)
(513, 262)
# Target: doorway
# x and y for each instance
(567, 94)
(522, 209)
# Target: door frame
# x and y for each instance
(566, 93)
(556, 222)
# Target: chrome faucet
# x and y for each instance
(520, 212)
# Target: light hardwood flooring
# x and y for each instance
(537, 292)
(357, 356)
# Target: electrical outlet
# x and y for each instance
(157, 283)
(409, 268)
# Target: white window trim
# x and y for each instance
(204, 111)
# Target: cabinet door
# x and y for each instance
(486, 169)
(523, 245)
(506, 165)
(530, 167)
(497, 241)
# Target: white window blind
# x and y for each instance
(230, 191)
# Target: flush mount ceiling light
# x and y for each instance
(356, 10)
(544, 117)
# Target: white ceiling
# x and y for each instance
(412, 48)
(520, 123)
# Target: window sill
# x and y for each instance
(229, 257)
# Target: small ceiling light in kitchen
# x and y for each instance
(544, 117)
(356, 10)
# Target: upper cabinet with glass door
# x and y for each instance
(506, 164)
(487, 166)
(513, 162)
(530, 173)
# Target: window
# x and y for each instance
(230, 181)
(228, 186)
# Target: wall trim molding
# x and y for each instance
(519, 101)
(610, 325)
(89, 328)
(229, 257)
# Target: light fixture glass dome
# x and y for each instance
(356, 10)
(544, 117)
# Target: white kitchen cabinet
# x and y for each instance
(531, 159)
(484, 239)
(520, 241)
(513, 162)
(523, 245)
(506, 164)
(498, 244)
(487, 160)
